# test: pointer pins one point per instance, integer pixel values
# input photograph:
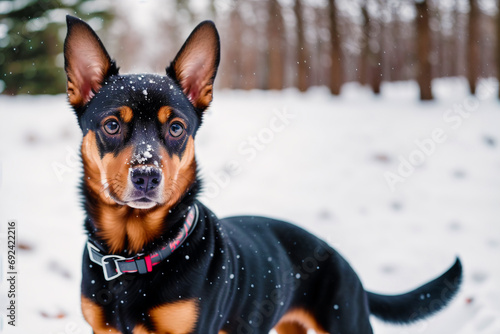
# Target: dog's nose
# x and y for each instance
(145, 178)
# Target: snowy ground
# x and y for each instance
(313, 159)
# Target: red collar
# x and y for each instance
(115, 265)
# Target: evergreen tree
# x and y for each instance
(31, 43)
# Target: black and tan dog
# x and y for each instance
(157, 260)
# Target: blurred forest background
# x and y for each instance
(271, 44)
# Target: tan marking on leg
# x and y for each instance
(140, 329)
(175, 318)
(126, 113)
(94, 314)
(303, 318)
(164, 114)
(290, 328)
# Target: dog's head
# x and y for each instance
(138, 130)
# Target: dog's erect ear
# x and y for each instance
(86, 62)
(196, 64)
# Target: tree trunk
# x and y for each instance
(455, 41)
(336, 75)
(302, 66)
(365, 47)
(498, 47)
(424, 76)
(371, 52)
(249, 56)
(231, 68)
(473, 46)
(377, 61)
(276, 57)
(397, 56)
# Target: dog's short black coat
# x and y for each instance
(233, 275)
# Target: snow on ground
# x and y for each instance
(313, 159)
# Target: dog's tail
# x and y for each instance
(419, 303)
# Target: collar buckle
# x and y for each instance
(109, 264)
(111, 268)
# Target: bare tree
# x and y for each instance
(249, 57)
(371, 58)
(233, 67)
(498, 45)
(473, 46)
(424, 76)
(302, 55)
(275, 32)
(365, 46)
(398, 51)
(336, 74)
(376, 60)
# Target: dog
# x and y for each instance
(159, 261)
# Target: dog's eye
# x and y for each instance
(112, 127)
(176, 129)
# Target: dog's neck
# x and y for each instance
(120, 229)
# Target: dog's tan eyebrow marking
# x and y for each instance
(164, 114)
(126, 113)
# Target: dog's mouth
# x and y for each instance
(141, 200)
(141, 203)
(138, 200)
